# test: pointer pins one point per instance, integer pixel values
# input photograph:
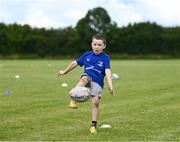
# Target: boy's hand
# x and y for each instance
(112, 91)
(61, 73)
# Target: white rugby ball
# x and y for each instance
(80, 94)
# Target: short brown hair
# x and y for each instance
(101, 37)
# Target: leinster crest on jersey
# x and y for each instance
(100, 63)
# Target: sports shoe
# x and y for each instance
(72, 104)
(93, 130)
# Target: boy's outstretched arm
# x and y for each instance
(70, 67)
(109, 79)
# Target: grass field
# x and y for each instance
(146, 106)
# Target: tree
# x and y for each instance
(3, 39)
(96, 20)
(171, 44)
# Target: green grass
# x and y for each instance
(146, 106)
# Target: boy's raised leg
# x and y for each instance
(83, 82)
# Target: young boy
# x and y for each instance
(96, 66)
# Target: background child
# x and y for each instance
(96, 66)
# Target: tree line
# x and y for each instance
(133, 40)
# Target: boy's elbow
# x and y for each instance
(108, 71)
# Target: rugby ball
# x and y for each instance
(80, 94)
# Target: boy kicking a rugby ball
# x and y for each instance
(96, 66)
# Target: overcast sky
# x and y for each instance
(63, 13)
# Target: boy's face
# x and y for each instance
(97, 46)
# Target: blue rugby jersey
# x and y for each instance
(95, 65)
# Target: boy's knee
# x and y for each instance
(85, 80)
(95, 101)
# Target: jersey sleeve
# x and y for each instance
(107, 63)
(80, 60)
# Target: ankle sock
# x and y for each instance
(94, 123)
